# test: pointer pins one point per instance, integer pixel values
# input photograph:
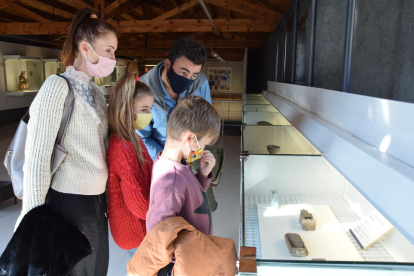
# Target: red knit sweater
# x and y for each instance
(128, 192)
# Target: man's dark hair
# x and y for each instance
(189, 48)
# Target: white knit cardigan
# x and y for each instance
(84, 170)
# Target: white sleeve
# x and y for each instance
(46, 114)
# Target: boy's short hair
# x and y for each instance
(195, 114)
(189, 48)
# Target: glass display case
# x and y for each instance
(23, 74)
(256, 101)
(298, 210)
(113, 78)
(228, 110)
(52, 67)
(259, 108)
(264, 118)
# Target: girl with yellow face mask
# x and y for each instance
(129, 163)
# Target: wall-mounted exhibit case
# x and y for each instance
(52, 67)
(23, 75)
(283, 173)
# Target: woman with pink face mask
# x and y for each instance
(76, 191)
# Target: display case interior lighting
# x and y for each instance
(216, 56)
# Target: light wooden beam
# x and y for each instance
(30, 13)
(246, 8)
(166, 44)
(178, 10)
(149, 26)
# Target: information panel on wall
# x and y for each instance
(219, 78)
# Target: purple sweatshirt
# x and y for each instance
(176, 191)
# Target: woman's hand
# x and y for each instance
(207, 163)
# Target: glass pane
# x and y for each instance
(303, 41)
(259, 108)
(23, 75)
(288, 187)
(276, 140)
(264, 118)
(230, 111)
(255, 101)
(329, 44)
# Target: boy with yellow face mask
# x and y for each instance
(175, 190)
(129, 163)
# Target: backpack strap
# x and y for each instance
(67, 112)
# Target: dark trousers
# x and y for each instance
(166, 270)
(88, 214)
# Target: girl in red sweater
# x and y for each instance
(129, 164)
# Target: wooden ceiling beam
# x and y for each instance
(99, 8)
(125, 7)
(149, 26)
(246, 8)
(58, 5)
(196, 25)
(177, 10)
(166, 44)
(14, 18)
(226, 54)
(80, 4)
(29, 11)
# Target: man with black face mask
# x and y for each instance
(176, 77)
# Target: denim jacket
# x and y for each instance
(155, 134)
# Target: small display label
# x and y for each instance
(370, 229)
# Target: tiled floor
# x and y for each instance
(225, 218)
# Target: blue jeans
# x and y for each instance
(132, 251)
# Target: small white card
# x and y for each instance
(370, 229)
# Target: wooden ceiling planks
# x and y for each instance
(241, 23)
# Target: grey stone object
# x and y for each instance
(307, 221)
(273, 149)
(263, 123)
(296, 245)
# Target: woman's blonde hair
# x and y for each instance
(120, 111)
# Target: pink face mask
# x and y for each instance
(103, 68)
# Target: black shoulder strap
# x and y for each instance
(67, 112)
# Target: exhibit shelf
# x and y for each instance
(21, 94)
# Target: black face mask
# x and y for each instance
(178, 83)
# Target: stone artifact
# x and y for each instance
(23, 82)
(264, 123)
(307, 221)
(295, 245)
(273, 149)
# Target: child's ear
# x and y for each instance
(189, 136)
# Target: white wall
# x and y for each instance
(236, 74)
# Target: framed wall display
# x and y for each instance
(219, 78)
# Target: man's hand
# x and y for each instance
(207, 163)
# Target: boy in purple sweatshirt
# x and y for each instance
(175, 190)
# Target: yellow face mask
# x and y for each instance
(196, 153)
(142, 120)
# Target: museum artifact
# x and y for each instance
(295, 245)
(274, 201)
(307, 221)
(23, 82)
(273, 149)
(264, 123)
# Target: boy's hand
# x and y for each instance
(207, 163)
